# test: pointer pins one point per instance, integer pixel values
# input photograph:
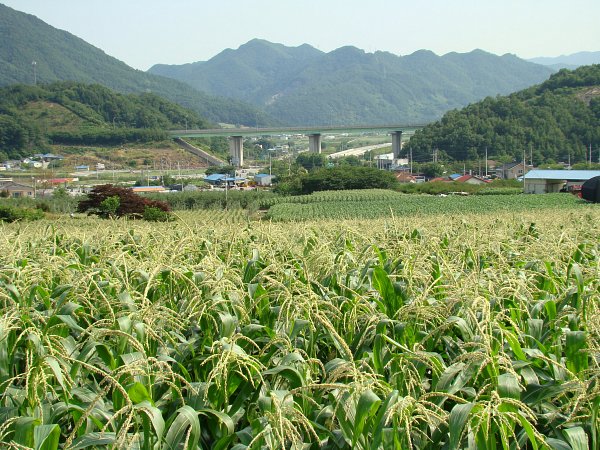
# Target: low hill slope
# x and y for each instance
(554, 121)
(76, 113)
(60, 55)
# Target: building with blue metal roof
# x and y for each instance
(539, 181)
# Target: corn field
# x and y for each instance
(435, 332)
(374, 204)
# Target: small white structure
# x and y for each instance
(540, 181)
(263, 179)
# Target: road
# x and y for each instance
(358, 151)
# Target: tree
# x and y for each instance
(431, 170)
(108, 200)
(310, 160)
(348, 177)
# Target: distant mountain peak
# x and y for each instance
(571, 61)
(302, 85)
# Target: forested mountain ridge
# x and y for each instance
(553, 121)
(60, 55)
(31, 117)
(305, 86)
(572, 61)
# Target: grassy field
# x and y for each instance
(431, 331)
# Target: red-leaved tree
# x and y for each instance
(108, 200)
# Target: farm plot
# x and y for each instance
(426, 332)
(381, 204)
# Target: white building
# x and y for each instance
(538, 181)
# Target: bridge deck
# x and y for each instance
(354, 129)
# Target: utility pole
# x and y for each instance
(34, 64)
(411, 160)
(486, 162)
(531, 154)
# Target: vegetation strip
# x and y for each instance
(416, 332)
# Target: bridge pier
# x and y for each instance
(236, 150)
(396, 143)
(314, 142)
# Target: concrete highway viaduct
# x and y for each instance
(236, 135)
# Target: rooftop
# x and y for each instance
(575, 175)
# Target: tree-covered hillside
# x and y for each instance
(304, 86)
(60, 55)
(554, 121)
(76, 113)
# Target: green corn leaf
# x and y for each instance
(54, 366)
(138, 394)
(186, 418)
(458, 419)
(221, 418)
(577, 438)
(24, 433)
(290, 373)
(155, 417)
(514, 344)
(577, 359)
(46, 437)
(228, 324)
(529, 431)
(508, 386)
(94, 440)
(367, 405)
(379, 422)
(556, 444)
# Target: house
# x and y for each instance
(385, 161)
(405, 177)
(16, 190)
(512, 171)
(540, 181)
(471, 179)
(215, 179)
(263, 179)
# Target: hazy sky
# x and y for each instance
(145, 32)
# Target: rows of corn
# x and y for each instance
(377, 204)
(479, 332)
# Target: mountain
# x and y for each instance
(60, 55)
(304, 86)
(554, 121)
(568, 61)
(66, 112)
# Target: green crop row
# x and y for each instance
(354, 206)
(424, 332)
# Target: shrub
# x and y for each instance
(108, 200)
(13, 214)
(154, 214)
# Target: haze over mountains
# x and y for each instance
(62, 56)
(264, 83)
(568, 61)
(302, 85)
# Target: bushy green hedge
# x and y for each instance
(215, 199)
(13, 213)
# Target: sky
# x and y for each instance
(146, 32)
